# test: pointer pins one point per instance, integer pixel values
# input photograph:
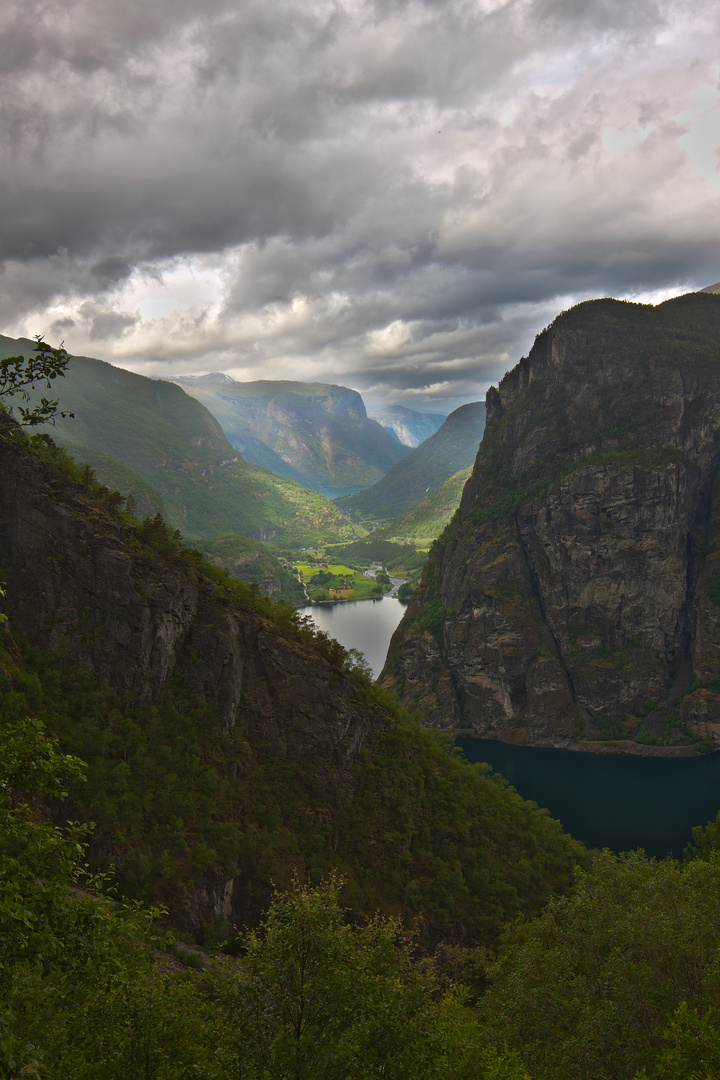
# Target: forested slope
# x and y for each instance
(452, 448)
(127, 425)
(228, 745)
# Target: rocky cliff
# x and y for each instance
(409, 427)
(575, 598)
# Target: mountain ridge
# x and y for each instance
(229, 746)
(179, 451)
(425, 469)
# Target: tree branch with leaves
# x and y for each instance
(20, 374)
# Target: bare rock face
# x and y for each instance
(575, 598)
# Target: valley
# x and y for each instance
(171, 735)
(316, 434)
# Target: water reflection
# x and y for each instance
(366, 625)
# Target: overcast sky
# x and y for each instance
(396, 196)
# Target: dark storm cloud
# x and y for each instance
(393, 194)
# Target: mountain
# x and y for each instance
(428, 519)
(315, 433)
(574, 600)
(127, 425)
(228, 746)
(453, 447)
(409, 427)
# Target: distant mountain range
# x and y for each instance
(409, 427)
(150, 439)
(450, 450)
(318, 434)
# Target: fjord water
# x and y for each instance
(366, 625)
(617, 801)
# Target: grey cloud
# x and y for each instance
(106, 324)
(18, 48)
(438, 166)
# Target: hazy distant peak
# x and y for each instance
(213, 377)
(408, 426)
(712, 288)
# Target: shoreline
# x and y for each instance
(596, 747)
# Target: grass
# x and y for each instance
(336, 581)
(152, 441)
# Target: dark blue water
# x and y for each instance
(612, 800)
(366, 625)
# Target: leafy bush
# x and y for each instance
(586, 990)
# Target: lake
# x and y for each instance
(612, 800)
(366, 625)
(617, 801)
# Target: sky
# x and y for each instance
(392, 195)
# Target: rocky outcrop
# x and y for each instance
(576, 595)
(409, 427)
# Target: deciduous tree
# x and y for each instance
(20, 374)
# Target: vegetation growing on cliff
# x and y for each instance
(593, 505)
(20, 374)
(91, 987)
(182, 801)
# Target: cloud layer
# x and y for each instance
(395, 195)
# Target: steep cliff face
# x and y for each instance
(408, 427)
(84, 587)
(575, 598)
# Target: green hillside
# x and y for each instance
(428, 519)
(452, 448)
(249, 560)
(178, 452)
(315, 433)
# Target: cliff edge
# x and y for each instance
(574, 600)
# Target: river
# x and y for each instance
(366, 625)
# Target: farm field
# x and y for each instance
(337, 581)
